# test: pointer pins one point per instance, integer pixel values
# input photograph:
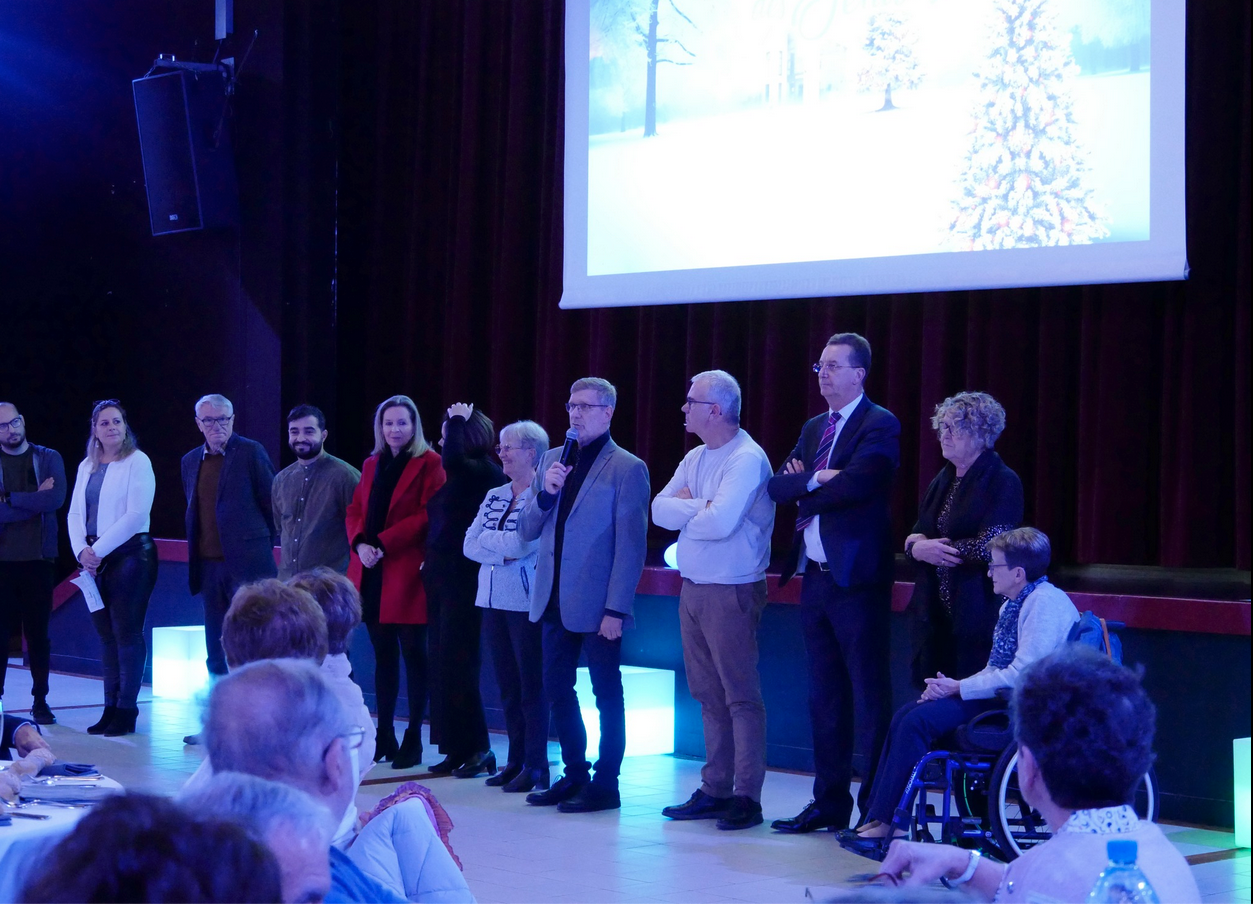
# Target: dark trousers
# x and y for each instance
(217, 586)
(915, 729)
(26, 604)
(846, 642)
(390, 642)
(454, 639)
(604, 660)
(516, 648)
(125, 578)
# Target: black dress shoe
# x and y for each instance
(744, 814)
(591, 799)
(700, 806)
(192, 738)
(476, 765)
(527, 780)
(505, 775)
(563, 789)
(447, 765)
(874, 848)
(810, 819)
(42, 713)
(105, 719)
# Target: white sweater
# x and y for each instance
(125, 504)
(1044, 623)
(724, 529)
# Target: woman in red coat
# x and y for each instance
(387, 526)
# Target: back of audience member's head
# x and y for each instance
(340, 602)
(1088, 723)
(274, 718)
(269, 620)
(1025, 548)
(295, 827)
(136, 847)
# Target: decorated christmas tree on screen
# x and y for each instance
(1025, 180)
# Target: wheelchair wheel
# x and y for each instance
(1017, 826)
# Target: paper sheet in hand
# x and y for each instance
(91, 593)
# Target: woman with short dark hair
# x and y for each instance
(108, 527)
(458, 724)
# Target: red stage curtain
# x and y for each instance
(1128, 404)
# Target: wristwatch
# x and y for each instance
(965, 877)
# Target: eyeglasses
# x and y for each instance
(216, 421)
(6, 426)
(992, 566)
(582, 407)
(949, 430)
(502, 448)
(692, 401)
(830, 368)
(353, 739)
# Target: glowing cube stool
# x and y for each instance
(178, 662)
(649, 695)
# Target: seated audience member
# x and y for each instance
(1084, 728)
(295, 828)
(281, 720)
(341, 604)
(135, 847)
(268, 620)
(1035, 619)
(21, 737)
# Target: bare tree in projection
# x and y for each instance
(612, 19)
(892, 63)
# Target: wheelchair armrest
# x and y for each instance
(988, 732)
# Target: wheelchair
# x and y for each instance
(981, 806)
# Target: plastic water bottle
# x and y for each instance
(1122, 879)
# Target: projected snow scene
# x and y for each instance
(742, 132)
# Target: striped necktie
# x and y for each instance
(821, 459)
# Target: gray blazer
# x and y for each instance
(602, 554)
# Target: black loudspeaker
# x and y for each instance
(184, 137)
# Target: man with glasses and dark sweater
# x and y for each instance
(32, 488)
(590, 514)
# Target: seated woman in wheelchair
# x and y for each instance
(1084, 729)
(1034, 620)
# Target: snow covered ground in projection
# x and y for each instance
(831, 180)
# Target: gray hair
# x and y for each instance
(261, 806)
(973, 413)
(725, 391)
(605, 391)
(526, 435)
(418, 445)
(274, 719)
(217, 401)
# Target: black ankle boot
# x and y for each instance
(105, 718)
(410, 752)
(41, 712)
(122, 723)
(385, 744)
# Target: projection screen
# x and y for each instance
(753, 149)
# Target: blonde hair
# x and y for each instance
(94, 446)
(416, 446)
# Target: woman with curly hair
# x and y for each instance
(975, 497)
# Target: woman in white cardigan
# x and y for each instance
(108, 526)
(505, 577)
(1035, 619)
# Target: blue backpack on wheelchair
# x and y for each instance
(1094, 631)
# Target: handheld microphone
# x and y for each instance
(567, 450)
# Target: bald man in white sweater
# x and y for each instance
(717, 501)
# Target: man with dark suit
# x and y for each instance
(591, 518)
(841, 474)
(229, 520)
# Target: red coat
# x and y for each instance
(403, 536)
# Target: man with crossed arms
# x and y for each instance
(717, 501)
